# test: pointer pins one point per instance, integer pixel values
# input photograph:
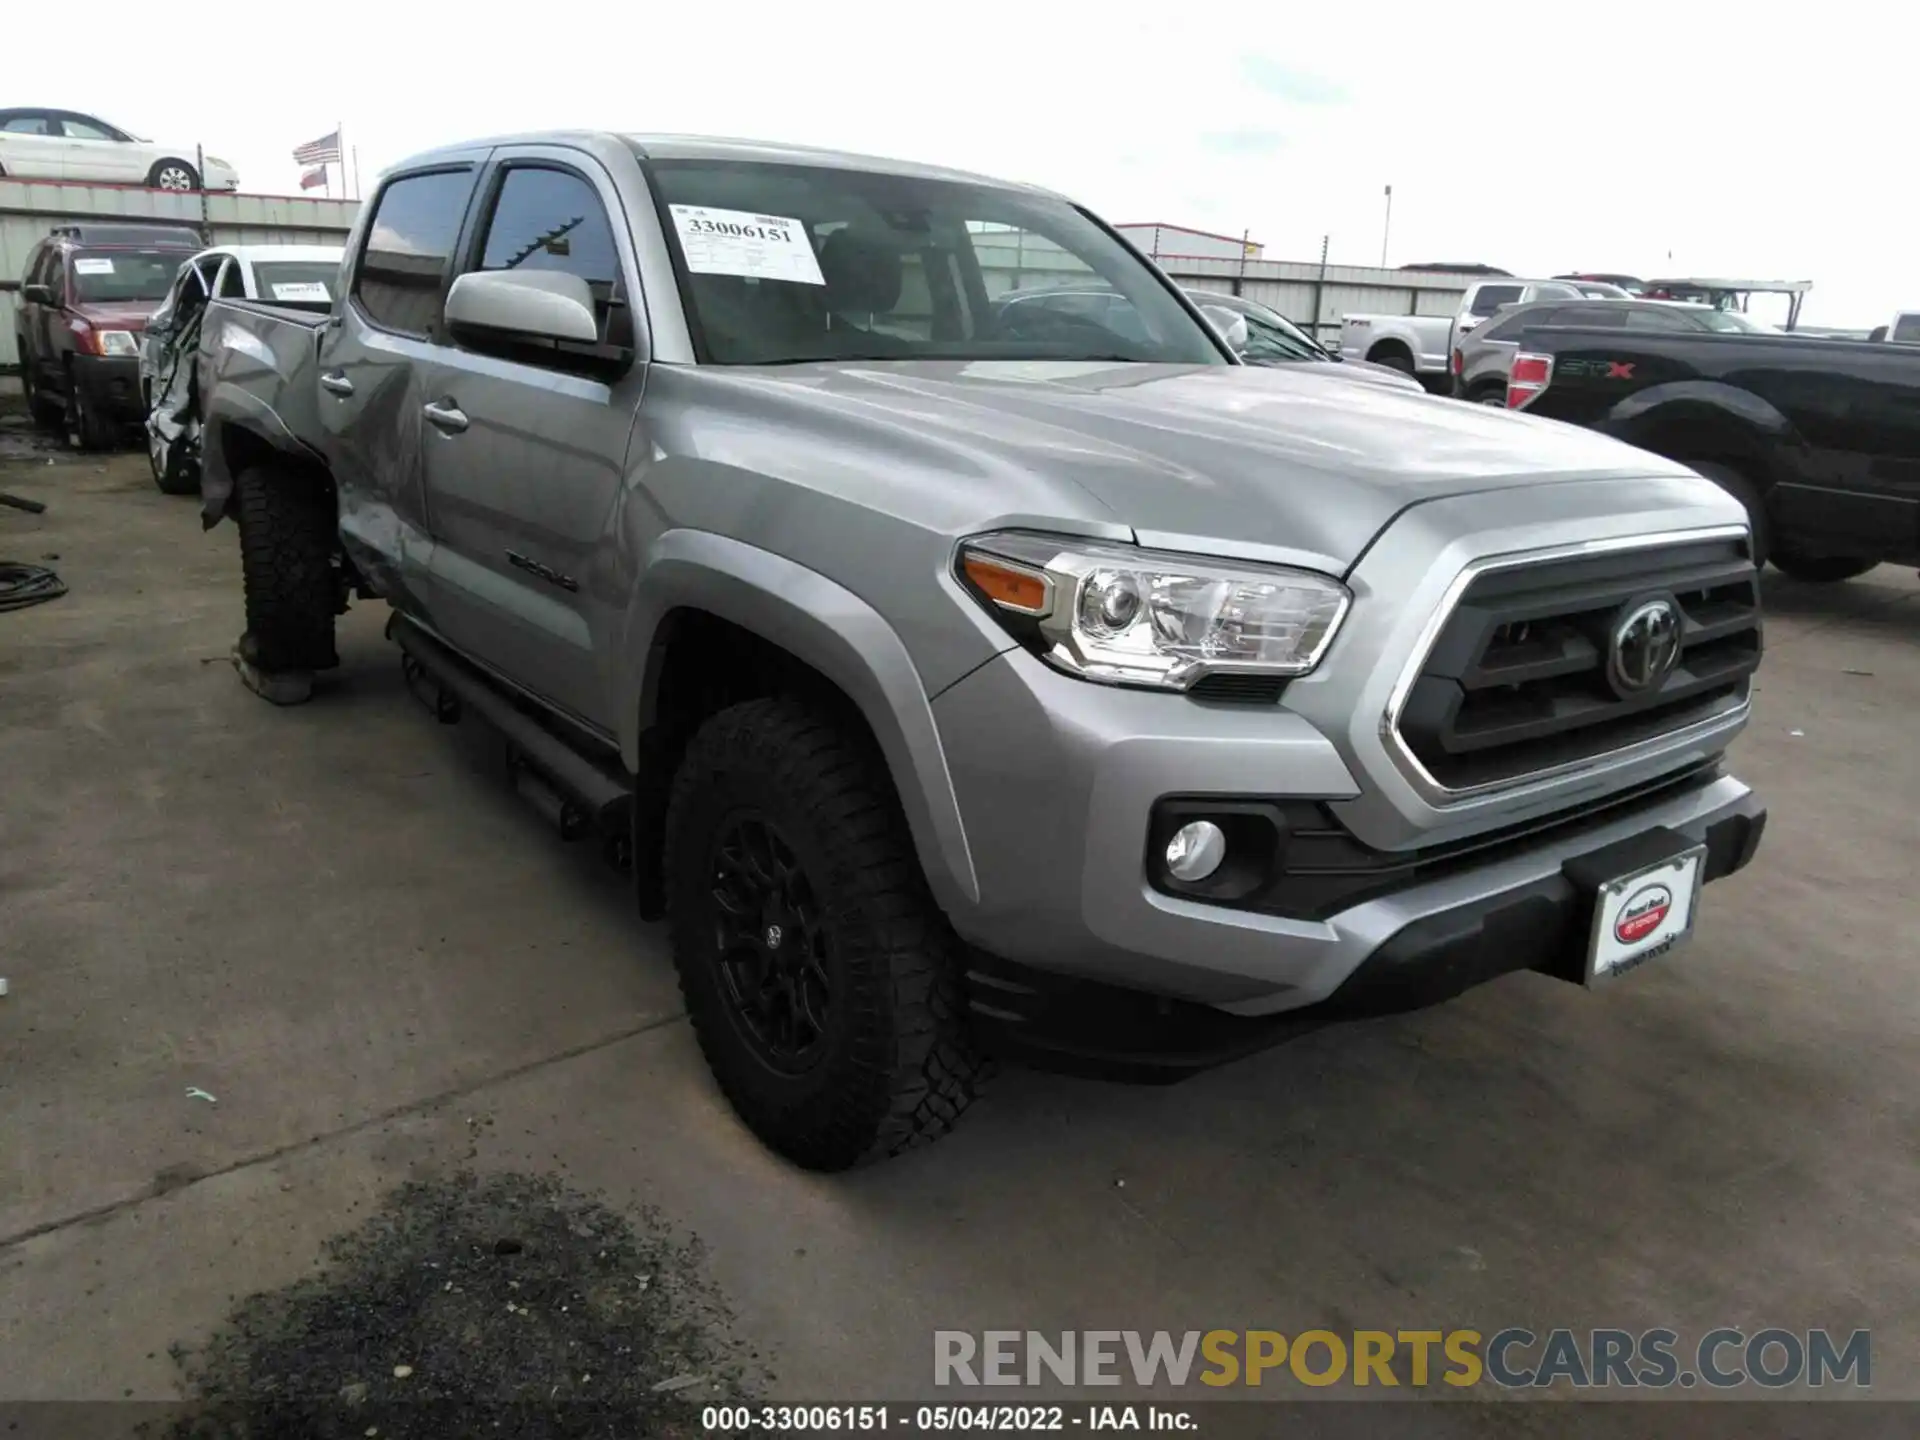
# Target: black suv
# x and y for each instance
(84, 299)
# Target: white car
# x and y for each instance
(297, 275)
(302, 275)
(66, 145)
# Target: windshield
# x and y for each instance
(105, 275)
(295, 281)
(786, 263)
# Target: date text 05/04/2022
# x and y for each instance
(929, 1419)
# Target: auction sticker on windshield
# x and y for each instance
(1644, 915)
(93, 265)
(301, 290)
(737, 242)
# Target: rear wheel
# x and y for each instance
(1490, 395)
(1748, 494)
(173, 175)
(1820, 569)
(287, 536)
(821, 978)
(172, 475)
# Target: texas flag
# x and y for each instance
(313, 179)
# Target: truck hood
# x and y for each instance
(1297, 460)
(117, 314)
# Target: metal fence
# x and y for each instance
(30, 208)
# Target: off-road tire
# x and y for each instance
(1819, 569)
(287, 538)
(1749, 495)
(46, 410)
(899, 1067)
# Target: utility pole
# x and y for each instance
(1386, 229)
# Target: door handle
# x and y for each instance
(448, 416)
(337, 382)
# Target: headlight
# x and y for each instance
(118, 342)
(1139, 617)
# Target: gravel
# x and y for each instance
(506, 1306)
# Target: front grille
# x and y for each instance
(1517, 682)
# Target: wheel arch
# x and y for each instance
(238, 430)
(1707, 420)
(696, 580)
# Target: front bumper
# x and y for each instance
(112, 385)
(1058, 780)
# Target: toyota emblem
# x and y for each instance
(1645, 648)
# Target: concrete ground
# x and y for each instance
(381, 966)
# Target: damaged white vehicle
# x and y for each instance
(301, 276)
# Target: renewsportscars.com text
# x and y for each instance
(1513, 1358)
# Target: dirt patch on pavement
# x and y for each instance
(497, 1305)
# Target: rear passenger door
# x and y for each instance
(524, 451)
(33, 148)
(373, 357)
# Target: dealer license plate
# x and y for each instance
(1644, 915)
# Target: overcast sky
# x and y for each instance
(1674, 139)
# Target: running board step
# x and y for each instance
(577, 795)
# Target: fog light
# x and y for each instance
(1196, 851)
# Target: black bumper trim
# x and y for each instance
(112, 385)
(1090, 1028)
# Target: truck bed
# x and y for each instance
(262, 356)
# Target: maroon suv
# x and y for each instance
(85, 298)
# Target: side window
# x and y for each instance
(232, 281)
(1906, 329)
(416, 220)
(1489, 298)
(1611, 316)
(1663, 320)
(78, 129)
(27, 125)
(547, 220)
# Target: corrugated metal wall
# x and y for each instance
(1316, 299)
(30, 208)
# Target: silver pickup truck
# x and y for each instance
(958, 678)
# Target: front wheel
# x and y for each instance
(1393, 359)
(1748, 494)
(87, 428)
(1820, 569)
(46, 410)
(821, 978)
(174, 175)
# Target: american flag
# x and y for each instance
(313, 179)
(318, 152)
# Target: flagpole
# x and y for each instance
(356, 173)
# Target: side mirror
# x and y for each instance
(538, 305)
(1231, 324)
(37, 294)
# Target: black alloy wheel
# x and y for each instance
(770, 949)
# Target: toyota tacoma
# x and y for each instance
(957, 678)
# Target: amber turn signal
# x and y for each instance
(1009, 586)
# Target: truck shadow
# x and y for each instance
(1883, 598)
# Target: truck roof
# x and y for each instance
(711, 147)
